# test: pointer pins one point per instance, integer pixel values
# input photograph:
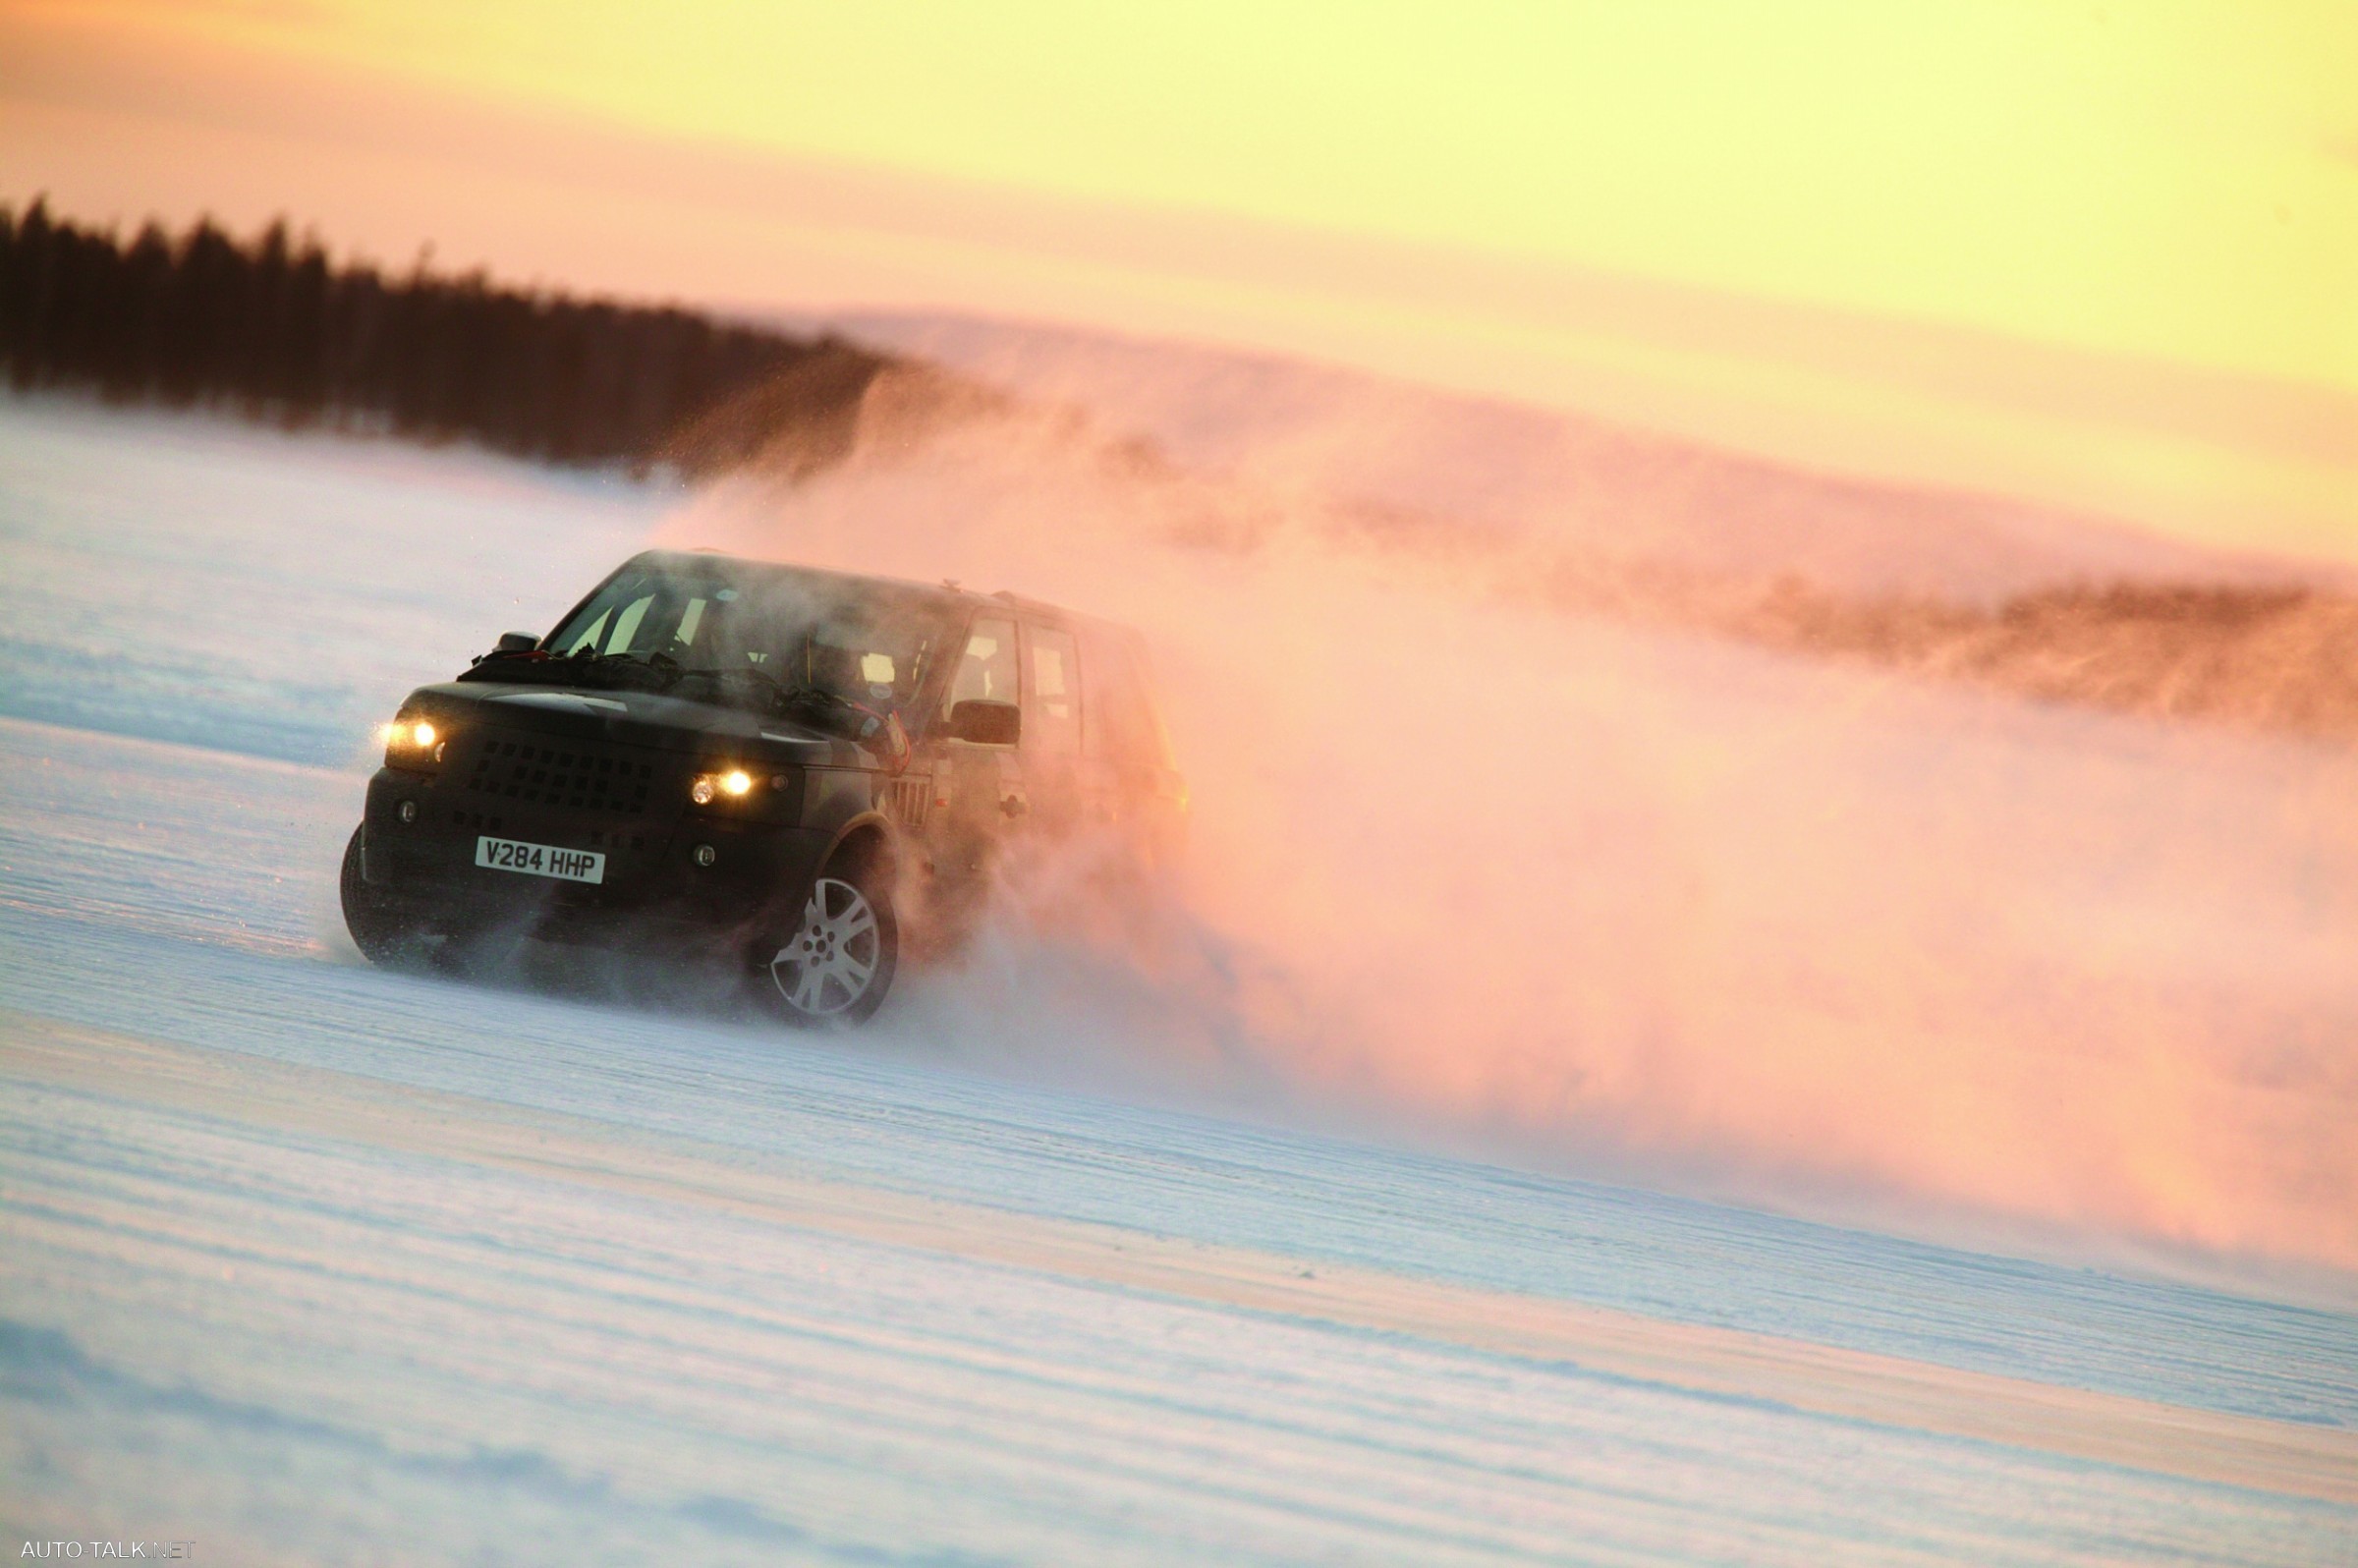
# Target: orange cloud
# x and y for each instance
(338, 116)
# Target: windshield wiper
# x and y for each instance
(586, 668)
(815, 705)
(722, 674)
(795, 699)
(625, 670)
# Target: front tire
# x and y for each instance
(835, 963)
(377, 930)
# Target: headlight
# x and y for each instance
(419, 737)
(414, 743)
(410, 743)
(734, 783)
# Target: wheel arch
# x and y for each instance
(869, 841)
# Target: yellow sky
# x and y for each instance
(2177, 180)
(2170, 190)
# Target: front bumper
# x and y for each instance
(425, 866)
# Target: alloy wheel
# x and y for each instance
(830, 961)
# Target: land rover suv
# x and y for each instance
(772, 766)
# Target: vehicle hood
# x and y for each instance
(631, 718)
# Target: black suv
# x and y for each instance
(769, 765)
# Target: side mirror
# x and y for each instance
(517, 643)
(985, 723)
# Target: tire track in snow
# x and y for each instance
(2280, 1457)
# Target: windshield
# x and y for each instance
(761, 633)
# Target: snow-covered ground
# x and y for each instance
(307, 1263)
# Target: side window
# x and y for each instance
(588, 641)
(1122, 727)
(626, 625)
(1052, 724)
(616, 630)
(986, 670)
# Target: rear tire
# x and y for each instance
(377, 930)
(833, 963)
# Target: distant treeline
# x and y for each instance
(273, 329)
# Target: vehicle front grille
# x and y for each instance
(617, 840)
(571, 775)
(906, 798)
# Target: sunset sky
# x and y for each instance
(2098, 253)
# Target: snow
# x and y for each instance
(306, 1262)
(1602, 487)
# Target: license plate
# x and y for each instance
(540, 859)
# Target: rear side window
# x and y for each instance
(1053, 725)
(1123, 728)
(986, 671)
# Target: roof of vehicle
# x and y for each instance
(948, 591)
(691, 560)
